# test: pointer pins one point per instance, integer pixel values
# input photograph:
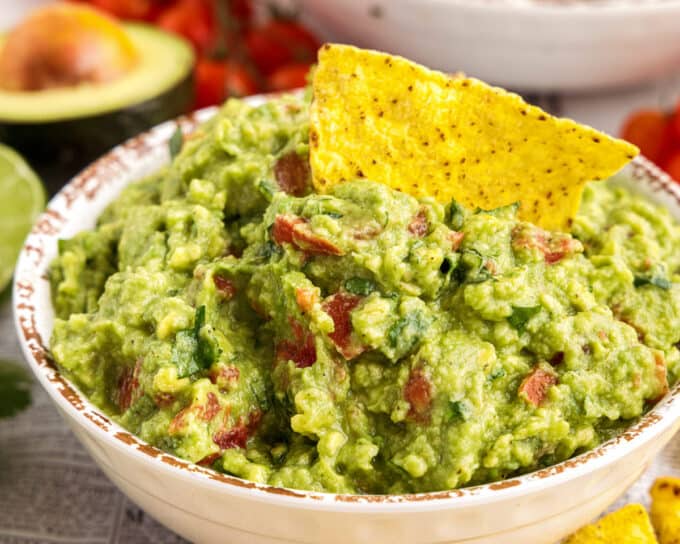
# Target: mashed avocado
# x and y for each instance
(361, 341)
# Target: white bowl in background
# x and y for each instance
(206, 506)
(530, 45)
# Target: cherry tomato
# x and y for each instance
(192, 19)
(673, 166)
(217, 80)
(242, 10)
(648, 129)
(290, 76)
(126, 9)
(280, 42)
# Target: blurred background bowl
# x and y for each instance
(529, 45)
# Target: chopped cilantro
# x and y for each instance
(521, 315)
(656, 281)
(406, 332)
(193, 351)
(176, 142)
(360, 286)
(458, 410)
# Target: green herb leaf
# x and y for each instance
(193, 351)
(15, 389)
(456, 215)
(266, 189)
(360, 286)
(268, 249)
(472, 267)
(459, 410)
(497, 373)
(656, 281)
(521, 315)
(406, 332)
(176, 142)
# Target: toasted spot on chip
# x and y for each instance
(666, 509)
(397, 122)
(629, 525)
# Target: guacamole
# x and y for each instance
(361, 341)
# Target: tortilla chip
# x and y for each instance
(666, 509)
(390, 120)
(629, 525)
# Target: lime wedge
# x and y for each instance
(22, 198)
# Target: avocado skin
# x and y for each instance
(58, 150)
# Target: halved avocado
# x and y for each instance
(62, 130)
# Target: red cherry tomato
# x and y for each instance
(217, 80)
(126, 9)
(242, 10)
(192, 19)
(648, 129)
(673, 166)
(280, 42)
(290, 76)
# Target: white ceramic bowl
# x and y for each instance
(539, 45)
(206, 506)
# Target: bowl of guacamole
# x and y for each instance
(244, 355)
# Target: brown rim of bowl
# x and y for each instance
(31, 269)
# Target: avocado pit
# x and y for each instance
(65, 46)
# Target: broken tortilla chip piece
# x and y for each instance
(629, 525)
(387, 119)
(666, 509)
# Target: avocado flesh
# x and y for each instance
(60, 131)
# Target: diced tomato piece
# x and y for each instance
(292, 174)
(128, 386)
(224, 286)
(306, 298)
(225, 376)
(301, 350)
(208, 460)
(255, 419)
(647, 129)
(307, 241)
(211, 408)
(164, 400)
(456, 239)
(366, 232)
(418, 393)
(296, 231)
(419, 225)
(236, 437)
(535, 386)
(282, 230)
(339, 306)
(177, 422)
(553, 246)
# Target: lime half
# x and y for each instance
(22, 198)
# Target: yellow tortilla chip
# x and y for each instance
(387, 119)
(666, 509)
(629, 525)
